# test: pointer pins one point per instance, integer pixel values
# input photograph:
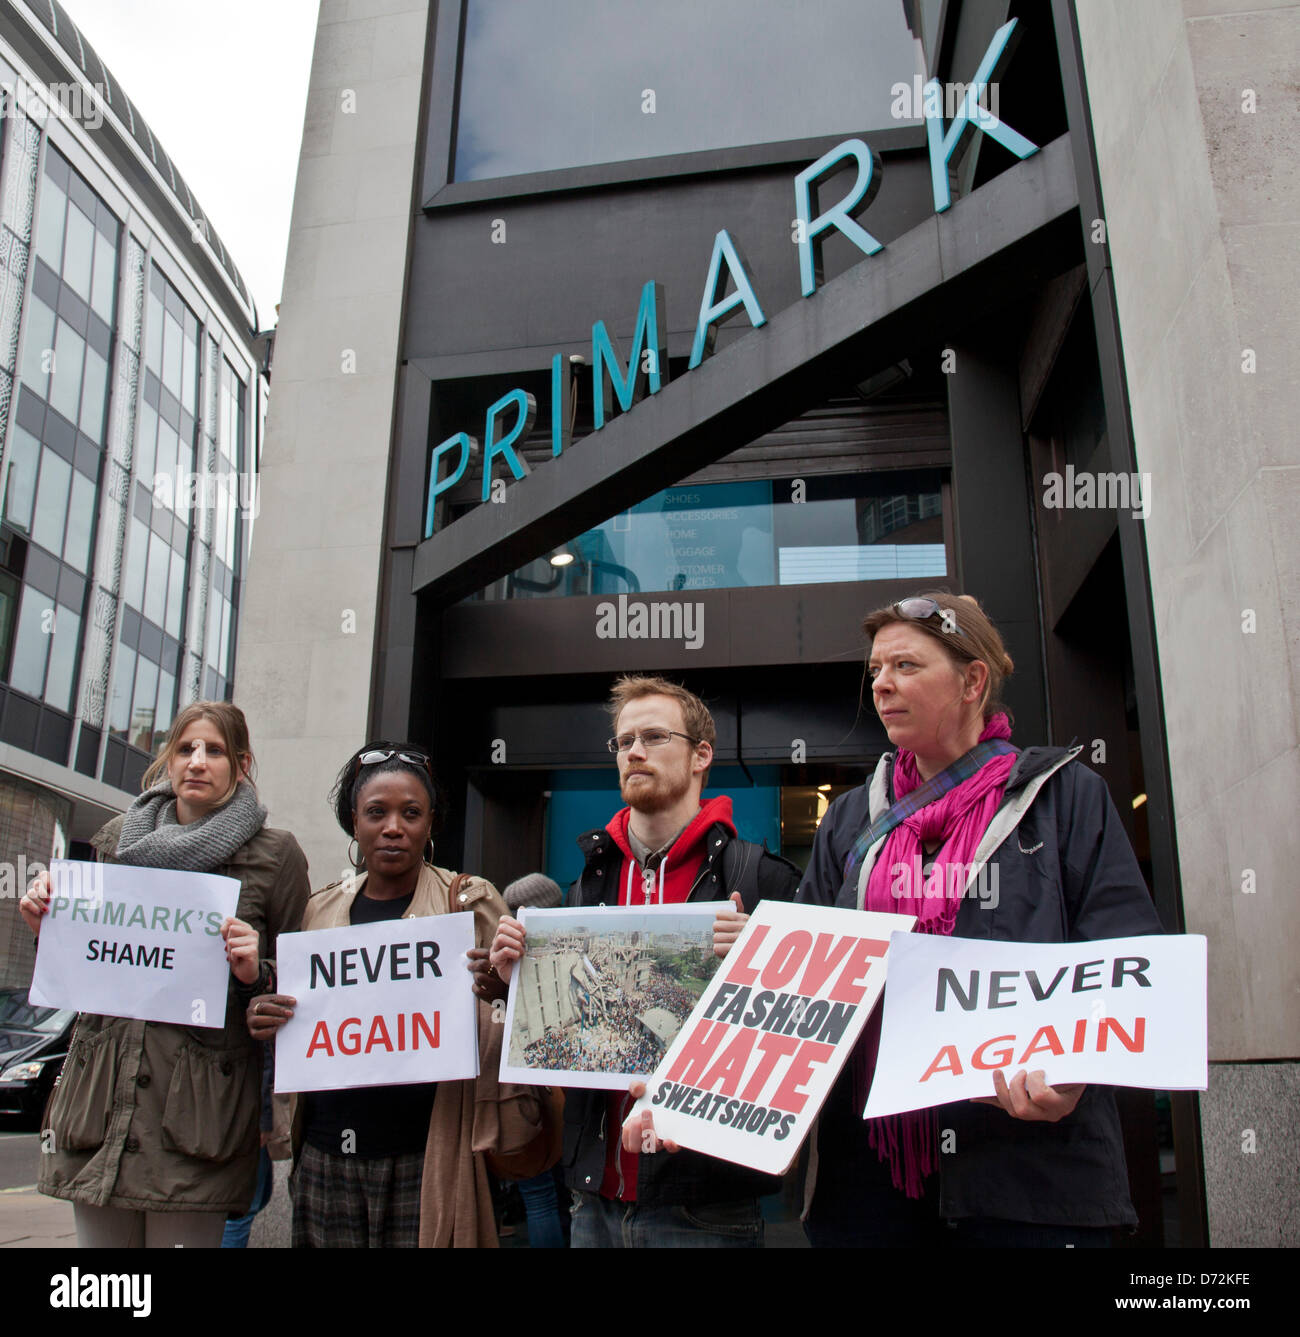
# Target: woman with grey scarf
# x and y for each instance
(153, 1130)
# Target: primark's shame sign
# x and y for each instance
(647, 365)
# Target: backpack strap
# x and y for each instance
(740, 861)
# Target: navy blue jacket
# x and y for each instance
(1065, 873)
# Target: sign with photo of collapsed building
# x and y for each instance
(602, 992)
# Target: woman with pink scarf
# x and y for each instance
(1034, 1165)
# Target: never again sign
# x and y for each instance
(1119, 1011)
(757, 1057)
(378, 1005)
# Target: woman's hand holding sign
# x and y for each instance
(1027, 1096)
(267, 1013)
(242, 950)
(507, 947)
(36, 902)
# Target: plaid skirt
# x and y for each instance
(347, 1202)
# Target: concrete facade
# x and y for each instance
(308, 629)
(1192, 113)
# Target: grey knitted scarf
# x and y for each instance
(153, 838)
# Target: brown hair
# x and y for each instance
(695, 714)
(233, 728)
(976, 638)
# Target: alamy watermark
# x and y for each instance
(951, 881)
(656, 620)
(74, 101)
(186, 491)
(1079, 490)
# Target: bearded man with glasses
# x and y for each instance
(664, 848)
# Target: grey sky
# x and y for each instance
(224, 88)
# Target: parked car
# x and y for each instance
(33, 1044)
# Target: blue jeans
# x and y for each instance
(543, 1207)
(603, 1223)
(235, 1235)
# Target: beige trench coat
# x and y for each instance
(162, 1118)
(467, 1119)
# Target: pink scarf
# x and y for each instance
(896, 886)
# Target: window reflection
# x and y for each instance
(811, 531)
(570, 83)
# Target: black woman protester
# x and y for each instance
(394, 1166)
(154, 1129)
(1032, 1166)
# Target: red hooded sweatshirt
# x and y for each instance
(669, 884)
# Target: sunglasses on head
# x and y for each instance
(921, 610)
(381, 754)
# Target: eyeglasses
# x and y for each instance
(376, 755)
(649, 737)
(921, 610)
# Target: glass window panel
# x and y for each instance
(142, 704)
(101, 292)
(32, 643)
(154, 336)
(172, 341)
(137, 553)
(93, 391)
(119, 710)
(51, 501)
(223, 661)
(38, 346)
(63, 658)
(155, 582)
(69, 354)
(166, 705)
(713, 70)
(49, 226)
(219, 530)
(190, 357)
(146, 444)
(176, 594)
(81, 520)
(79, 252)
(165, 460)
(20, 490)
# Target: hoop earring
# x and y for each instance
(354, 859)
(428, 846)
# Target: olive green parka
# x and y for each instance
(156, 1117)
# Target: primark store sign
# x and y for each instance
(511, 418)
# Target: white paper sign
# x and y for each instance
(135, 942)
(378, 1005)
(1117, 1011)
(752, 1065)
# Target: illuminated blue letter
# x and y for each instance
(647, 346)
(466, 444)
(526, 409)
(839, 216)
(970, 118)
(715, 309)
(560, 419)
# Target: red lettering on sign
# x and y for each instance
(320, 1039)
(788, 1095)
(826, 954)
(849, 987)
(1134, 1043)
(775, 1048)
(740, 971)
(787, 959)
(1044, 1039)
(696, 1053)
(730, 1068)
(945, 1060)
(977, 1059)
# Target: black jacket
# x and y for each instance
(1065, 873)
(686, 1178)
